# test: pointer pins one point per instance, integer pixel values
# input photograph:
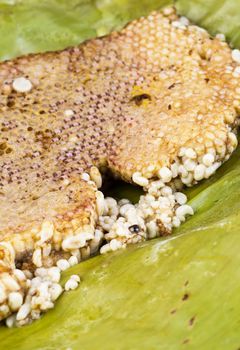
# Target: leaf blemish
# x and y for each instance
(185, 297)
(192, 320)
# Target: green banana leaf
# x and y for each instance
(182, 292)
(28, 26)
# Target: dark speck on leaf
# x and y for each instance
(191, 321)
(185, 297)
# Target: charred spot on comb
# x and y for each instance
(3, 145)
(9, 150)
(5, 148)
(171, 86)
(4, 129)
(10, 101)
(138, 99)
(45, 138)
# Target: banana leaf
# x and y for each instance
(28, 26)
(174, 293)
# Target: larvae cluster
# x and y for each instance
(158, 211)
(42, 292)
